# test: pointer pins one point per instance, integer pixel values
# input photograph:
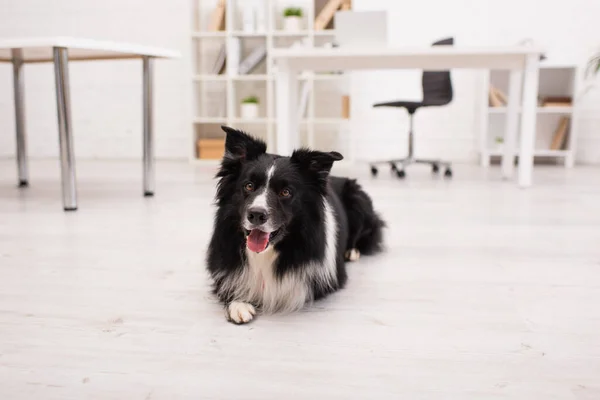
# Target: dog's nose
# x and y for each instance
(257, 216)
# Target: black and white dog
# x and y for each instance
(284, 228)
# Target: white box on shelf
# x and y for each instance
(292, 24)
(249, 110)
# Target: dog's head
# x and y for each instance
(267, 193)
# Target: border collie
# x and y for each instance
(284, 228)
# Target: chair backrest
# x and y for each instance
(437, 85)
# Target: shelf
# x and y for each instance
(275, 33)
(326, 120)
(207, 34)
(250, 77)
(210, 120)
(291, 34)
(540, 110)
(260, 120)
(209, 77)
(537, 153)
(326, 32)
(323, 77)
(248, 34)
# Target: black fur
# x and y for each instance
(300, 238)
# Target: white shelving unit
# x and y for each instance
(555, 81)
(218, 96)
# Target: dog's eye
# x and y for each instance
(249, 187)
(285, 193)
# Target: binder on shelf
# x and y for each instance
(557, 102)
(217, 19)
(303, 104)
(346, 107)
(494, 99)
(219, 66)
(327, 13)
(235, 53)
(252, 60)
(560, 135)
(501, 96)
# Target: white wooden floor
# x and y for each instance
(486, 292)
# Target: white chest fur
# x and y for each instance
(287, 293)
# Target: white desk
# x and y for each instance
(522, 61)
(61, 50)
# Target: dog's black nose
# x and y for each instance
(257, 216)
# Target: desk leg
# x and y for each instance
(63, 102)
(19, 90)
(512, 123)
(286, 99)
(528, 120)
(148, 128)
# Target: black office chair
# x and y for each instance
(437, 91)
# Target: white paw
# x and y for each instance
(352, 255)
(239, 312)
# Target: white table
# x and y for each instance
(522, 61)
(61, 50)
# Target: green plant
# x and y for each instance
(292, 12)
(250, 100)
(499, 140)
(593, 66)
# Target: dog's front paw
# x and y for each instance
(352, 255)
(239, 312)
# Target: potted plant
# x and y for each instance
(249, 107)
(292, 19)
(499, 141)
(593, 67)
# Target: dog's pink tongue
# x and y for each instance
(257, 240)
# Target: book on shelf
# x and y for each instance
(217, 19)
(219, 66)
(327, 13)
(559, 140)
(252, 60)
(497, 98)
(346, 107)
(564, 101)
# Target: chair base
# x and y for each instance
(398, 165)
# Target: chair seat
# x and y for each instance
(411, 106)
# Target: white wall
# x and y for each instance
(568, 29)
(106, 95)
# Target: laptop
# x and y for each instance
(360, 28)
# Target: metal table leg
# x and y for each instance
(63, 102)
(148, 128)
(19, 89)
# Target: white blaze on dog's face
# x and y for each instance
(273, 190)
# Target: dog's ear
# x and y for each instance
(241, 146)
(316, 162)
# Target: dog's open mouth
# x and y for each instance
(257, 240)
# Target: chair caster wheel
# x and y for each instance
(374, 171)
(393, 167)
(435, 168)
(448, 173)
(400, 173)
